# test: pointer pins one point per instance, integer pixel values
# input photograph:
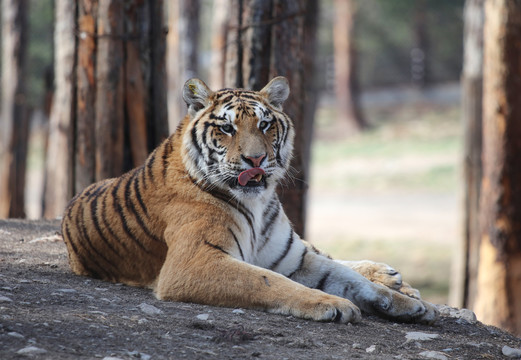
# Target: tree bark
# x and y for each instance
(348, 109)
(220, 23)
(59, 164)
(183, 43)
(499, 271)
(463, 292)
(14, 122)
(110, 100)
(109, 90)
(84, 171)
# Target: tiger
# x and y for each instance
(201, 222)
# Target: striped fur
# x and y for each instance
(183, 224)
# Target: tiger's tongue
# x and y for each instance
(249, 174)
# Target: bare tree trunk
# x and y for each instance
(271, 38)
(85, 98)
(499, 271)
(220, 23)
(59, 170)
(109, 90)
(157, 86)
(183, 42)
(348, 109)
(14, 121)
(463, 291)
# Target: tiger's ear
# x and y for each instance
(196, 95)
(277, 91)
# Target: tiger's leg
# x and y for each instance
(379, 273)
(382, 274)
(208, 274)
(316, 270)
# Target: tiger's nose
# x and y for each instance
(254, 161)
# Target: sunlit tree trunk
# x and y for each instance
(59, 164)
(463, 292)
(348, 109)
(183, 43)
(220, 23)
(499, 270)
(14, 126)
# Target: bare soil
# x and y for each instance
(46, 312)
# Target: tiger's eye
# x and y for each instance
(227, 129)
(264, 125)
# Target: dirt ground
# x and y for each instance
(46, 312)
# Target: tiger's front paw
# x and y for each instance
(396, 306)
(324, 307)
(383, 274)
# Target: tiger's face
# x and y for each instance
(238, 140)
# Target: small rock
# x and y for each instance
(468, 315)
(356, 346)
(417, 335)
(203, 317)
(511, 352)
(370, 349)
(67, 290)
(149, 309)
(111, 358)
(433, 355)
(238, 311)
(31, 350)
(16, 335)
(5, 299)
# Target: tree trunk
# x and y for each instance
(271, 38)
(85, 99)
(183, 43)
(59, 165)
(463, 291)
(220, 23)
(348, 109)
(110, 102)
(14, 122)
(499, 271)
(109, 90)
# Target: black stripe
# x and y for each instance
(271, 217)
(150, 164)
(194, 139)
(93, 214)
(106, 224)
(301, 263)
(137, 192)
(289, 243)
(130, 205)
(215, 247)
(94, 254)
(228, 98)
(237, 242)
(322, 283)
(119, 210)
(167, 149)
(92, 272)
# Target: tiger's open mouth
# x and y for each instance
(252, 177)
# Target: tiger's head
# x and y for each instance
(237, 140)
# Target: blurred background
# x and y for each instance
(376, 83)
